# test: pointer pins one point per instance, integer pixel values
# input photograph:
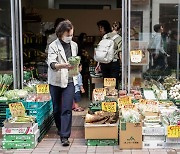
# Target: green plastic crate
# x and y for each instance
(102, 142)
(19, 137)
(18, 144)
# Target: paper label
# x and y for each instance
(129, 106)
(124, 101)
(17, 109)
(173, 131)
(109, 82)
(109, 106)
(136, 56)
(99, 94)
(42, 88)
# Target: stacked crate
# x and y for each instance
(20, 135)
(42, 112)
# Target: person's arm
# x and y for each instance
(80, 83)
(52, 60)
(159, 45)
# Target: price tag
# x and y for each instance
(142, 101)
(150, 102)
(109, 106)
(124, 101)
(42, 88)
(136, 56)
(99, 94)
(17, 109)
(100, 90)
(129, 106)
(173, 131)
(109, 82)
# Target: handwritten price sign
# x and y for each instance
(109, 82)
(173, 131)
(109, 106)
(42, 88)
(124, 101)
(17, 109)
(149, 102)
(100, 90)
(129, 106)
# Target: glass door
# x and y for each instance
(11, 40)
(151, 40)
(5, 37)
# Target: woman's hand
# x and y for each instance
(98, 68)
(63, 66)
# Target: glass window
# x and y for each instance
(5, 37)
(154, 36)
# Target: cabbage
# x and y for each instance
(22, 93)
(16, 94)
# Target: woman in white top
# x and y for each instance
(62, 87)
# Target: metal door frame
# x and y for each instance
(126, 44)
(17, 47)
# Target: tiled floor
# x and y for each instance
(51, 142)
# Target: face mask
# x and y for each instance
(67, 39)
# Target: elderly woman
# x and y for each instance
(61, 86)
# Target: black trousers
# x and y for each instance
(62, 99)
(111, 70)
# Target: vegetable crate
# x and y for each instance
(21, 137)
(101, 142)
(18, 144)
(41, 110)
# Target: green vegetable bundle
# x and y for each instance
(5, 81)
(74, 61)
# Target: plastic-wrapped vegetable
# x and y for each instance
(74, 61)
(131, 116)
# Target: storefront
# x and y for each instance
(145, 67)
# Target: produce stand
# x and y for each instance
(149, 117)
(17, 107)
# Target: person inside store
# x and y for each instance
(156, 49)
(104, 27)
(112, 69)
(78, 90)
(53, 36)
(82, 44)
(62, 87)
(172, 50)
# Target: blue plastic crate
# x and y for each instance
(38, 111)
(40, 120)
(8, 113)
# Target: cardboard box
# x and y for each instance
(172, 140)
(101, 131)
(172, 145)
(22, 137)
(19, 144)
(23, 130)
(153, 144)
(17, 125)
(130, 136)
(151, 113)
(153, 131)
(153, 138)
